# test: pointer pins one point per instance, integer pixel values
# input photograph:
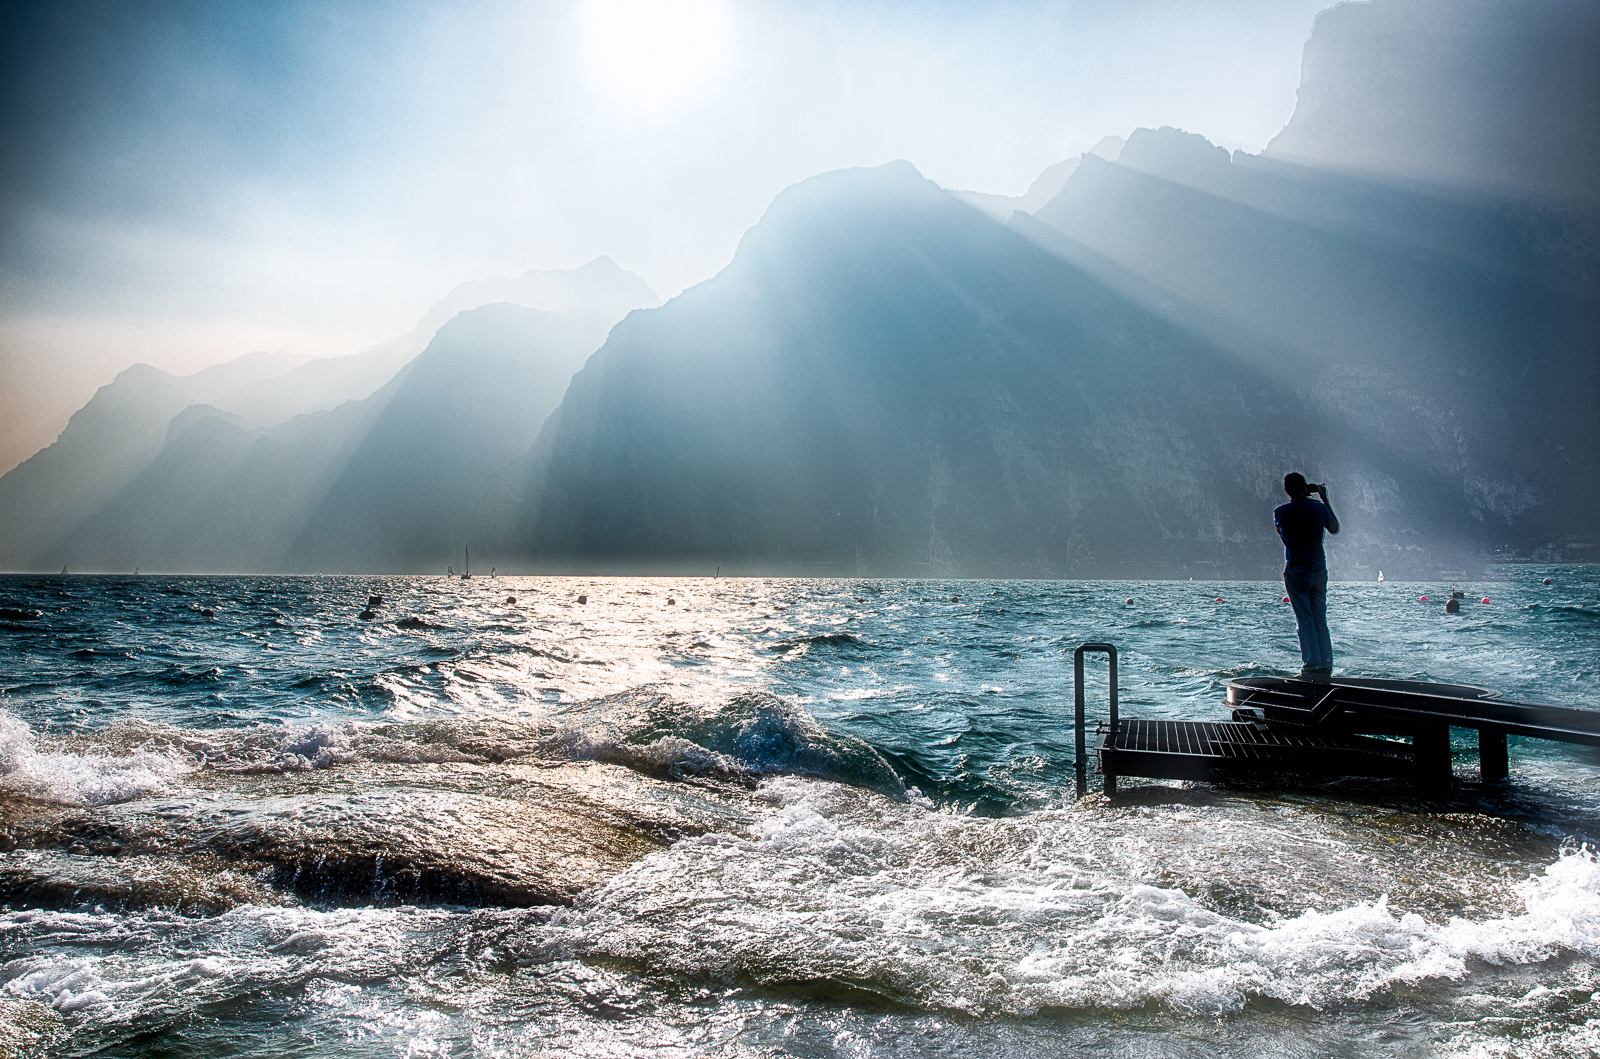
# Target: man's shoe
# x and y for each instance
(1316, 673)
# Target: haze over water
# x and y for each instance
(768, 817)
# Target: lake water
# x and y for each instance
(744, 817)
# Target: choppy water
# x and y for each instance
(746, 817)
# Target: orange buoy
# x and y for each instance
(1486, 599)
(1219, 599)
(583, 599)
(1424, 599)
(1286, 599)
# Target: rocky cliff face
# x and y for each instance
(1491, 96)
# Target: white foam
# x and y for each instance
(316, 747)
(141, 979)
(1018, 916)
(80, 779)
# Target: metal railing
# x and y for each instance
(1110, 650)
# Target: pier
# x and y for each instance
(1342, 726)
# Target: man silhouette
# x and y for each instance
(1300, 524)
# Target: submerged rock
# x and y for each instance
(373, 833)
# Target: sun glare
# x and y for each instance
(654, 52)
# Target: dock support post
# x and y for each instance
(1494, 762)
(1430, 752)
(1110, 650)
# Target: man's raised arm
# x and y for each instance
(1333, 520)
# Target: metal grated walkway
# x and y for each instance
(1214, 749)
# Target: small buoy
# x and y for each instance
(1286, 599)
(955, 599)
(1547, 580)
(671, 602)
(374, 601)
(583, 599)
(1486, 599)
(1452, 606)
(1130, 601)
(1219, 599)
(511, 599)
(367, 615)
(751, 603)
(207, 612)
(1424, 599)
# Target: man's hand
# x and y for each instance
(1333, 520)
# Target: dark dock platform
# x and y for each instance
(1334, 727)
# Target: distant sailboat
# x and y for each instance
(1380, 575)
(63, 569)
(467, 568)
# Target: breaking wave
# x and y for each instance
(80, 779)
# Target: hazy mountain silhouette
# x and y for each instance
(596, 296)
(133, 482)
(105, 445)
(398, 481)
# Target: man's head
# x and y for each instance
(1294, 483)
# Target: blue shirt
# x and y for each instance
(1300, 524)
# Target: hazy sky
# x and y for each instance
(183, 182)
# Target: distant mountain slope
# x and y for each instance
(596, 296)
(221, 498)
(105, 445)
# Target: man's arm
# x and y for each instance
(1333, 520)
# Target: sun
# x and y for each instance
(651, 53)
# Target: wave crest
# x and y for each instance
(749, 736)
